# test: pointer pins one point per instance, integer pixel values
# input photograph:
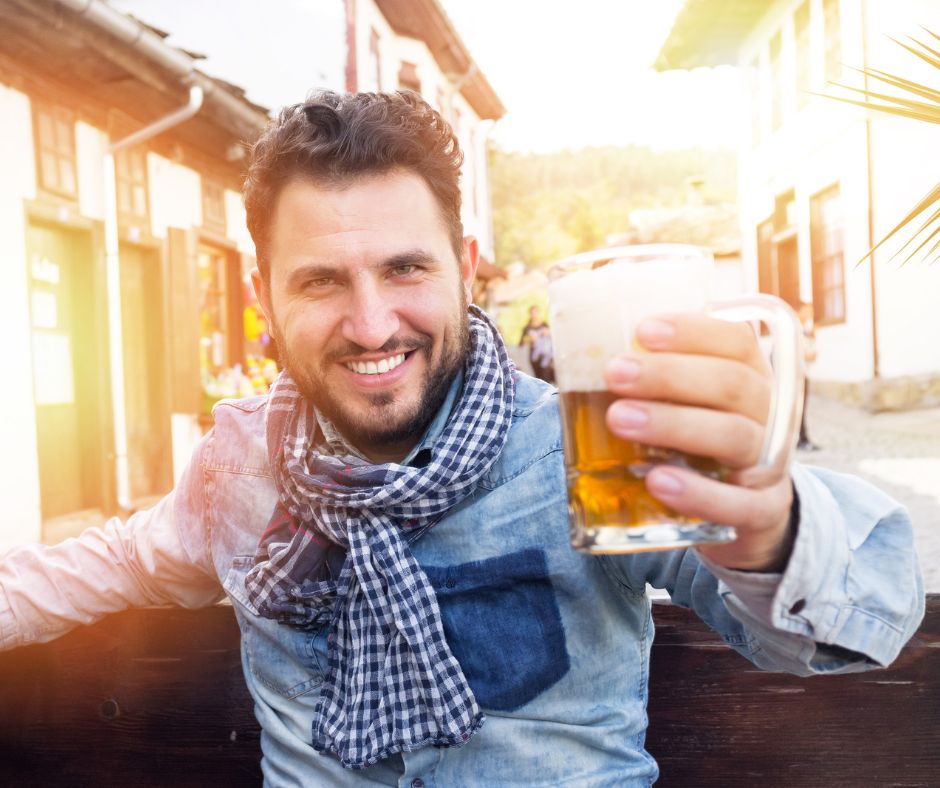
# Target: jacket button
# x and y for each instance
(417, 782)
(797, 606)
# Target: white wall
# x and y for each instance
(236, 224)
(19, 465)
(91, 145)
(175, 195)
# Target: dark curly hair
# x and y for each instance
(334, 138)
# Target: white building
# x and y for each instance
(124, 287)
(821, 182)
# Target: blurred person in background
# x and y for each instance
(537, 336)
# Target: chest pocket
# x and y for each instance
(503, 625)
(284, 659)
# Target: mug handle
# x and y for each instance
(786, 358)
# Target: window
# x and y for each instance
(220, 310)
(374, 65)
(408, 77)
(55, 150)
(213, 206)
(776, 82)
(803, 65)
(130, 169)
(833, 38)
(827, 257)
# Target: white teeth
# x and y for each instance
(376, 368)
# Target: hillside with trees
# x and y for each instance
(548, 206)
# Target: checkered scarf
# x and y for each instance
(392, 684)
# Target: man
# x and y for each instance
(537, 336)
(390, 522)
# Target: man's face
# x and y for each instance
(368, 304)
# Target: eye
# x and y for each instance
(405, 269)
(320, 282)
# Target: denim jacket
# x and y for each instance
(554, 643)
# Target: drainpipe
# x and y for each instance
(876, 361)
(113, 267)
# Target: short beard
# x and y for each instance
(379, 431)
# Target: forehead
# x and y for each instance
(368, 214)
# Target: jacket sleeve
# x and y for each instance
(160, 556)
(851, 596)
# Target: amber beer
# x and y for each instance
(606, 474)
(596, 301)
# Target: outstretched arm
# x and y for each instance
(158, 557)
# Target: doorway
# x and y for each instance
(788, 271)
(67, 372)
(146, 400)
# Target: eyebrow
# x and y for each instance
(305, 273)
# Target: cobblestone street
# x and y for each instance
(899, 452)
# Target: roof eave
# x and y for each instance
(427, 21)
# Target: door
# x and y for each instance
(149, 450)
(788, 271)
(66, 370)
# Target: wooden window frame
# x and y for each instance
(229, 293)
(408, 76)
(375, 56)
(124, 176)
(824, 260)
(213, 205)
(57, 115)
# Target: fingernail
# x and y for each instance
(664, 483)
(626, 417)
(655, 330)
(623, 370)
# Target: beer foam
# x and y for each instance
(593, 314)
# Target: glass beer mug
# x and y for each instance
(596, 300)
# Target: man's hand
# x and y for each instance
(705, 389)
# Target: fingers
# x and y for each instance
(699, 334)
(732, 439)
(703, 381)
(761, 517)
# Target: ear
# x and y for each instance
(469, 260)
(263, 294)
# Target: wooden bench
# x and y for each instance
(155, 697)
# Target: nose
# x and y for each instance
(371, 319)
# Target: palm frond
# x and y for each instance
(900, 82)
(904, 107)
(922, 103)
(931, 198)
(929, 55)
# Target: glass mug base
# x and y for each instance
(614, 539)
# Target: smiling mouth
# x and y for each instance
(376, 367)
